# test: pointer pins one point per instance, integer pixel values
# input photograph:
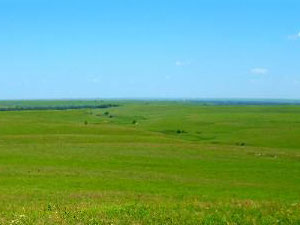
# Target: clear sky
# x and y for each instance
(152, 49)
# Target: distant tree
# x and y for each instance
(181, 131)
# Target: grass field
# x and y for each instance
(150, 163)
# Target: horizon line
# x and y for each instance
(156, 99)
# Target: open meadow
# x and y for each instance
(149, 162)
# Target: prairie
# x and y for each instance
(149, 162)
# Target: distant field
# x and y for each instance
(149, 162)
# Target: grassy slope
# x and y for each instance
(56, 169)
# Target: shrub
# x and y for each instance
(181, 131)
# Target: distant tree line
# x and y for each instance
(22, 108)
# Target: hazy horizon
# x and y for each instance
(156, 99)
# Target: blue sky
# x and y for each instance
(149, 49)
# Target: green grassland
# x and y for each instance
(150, 162)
